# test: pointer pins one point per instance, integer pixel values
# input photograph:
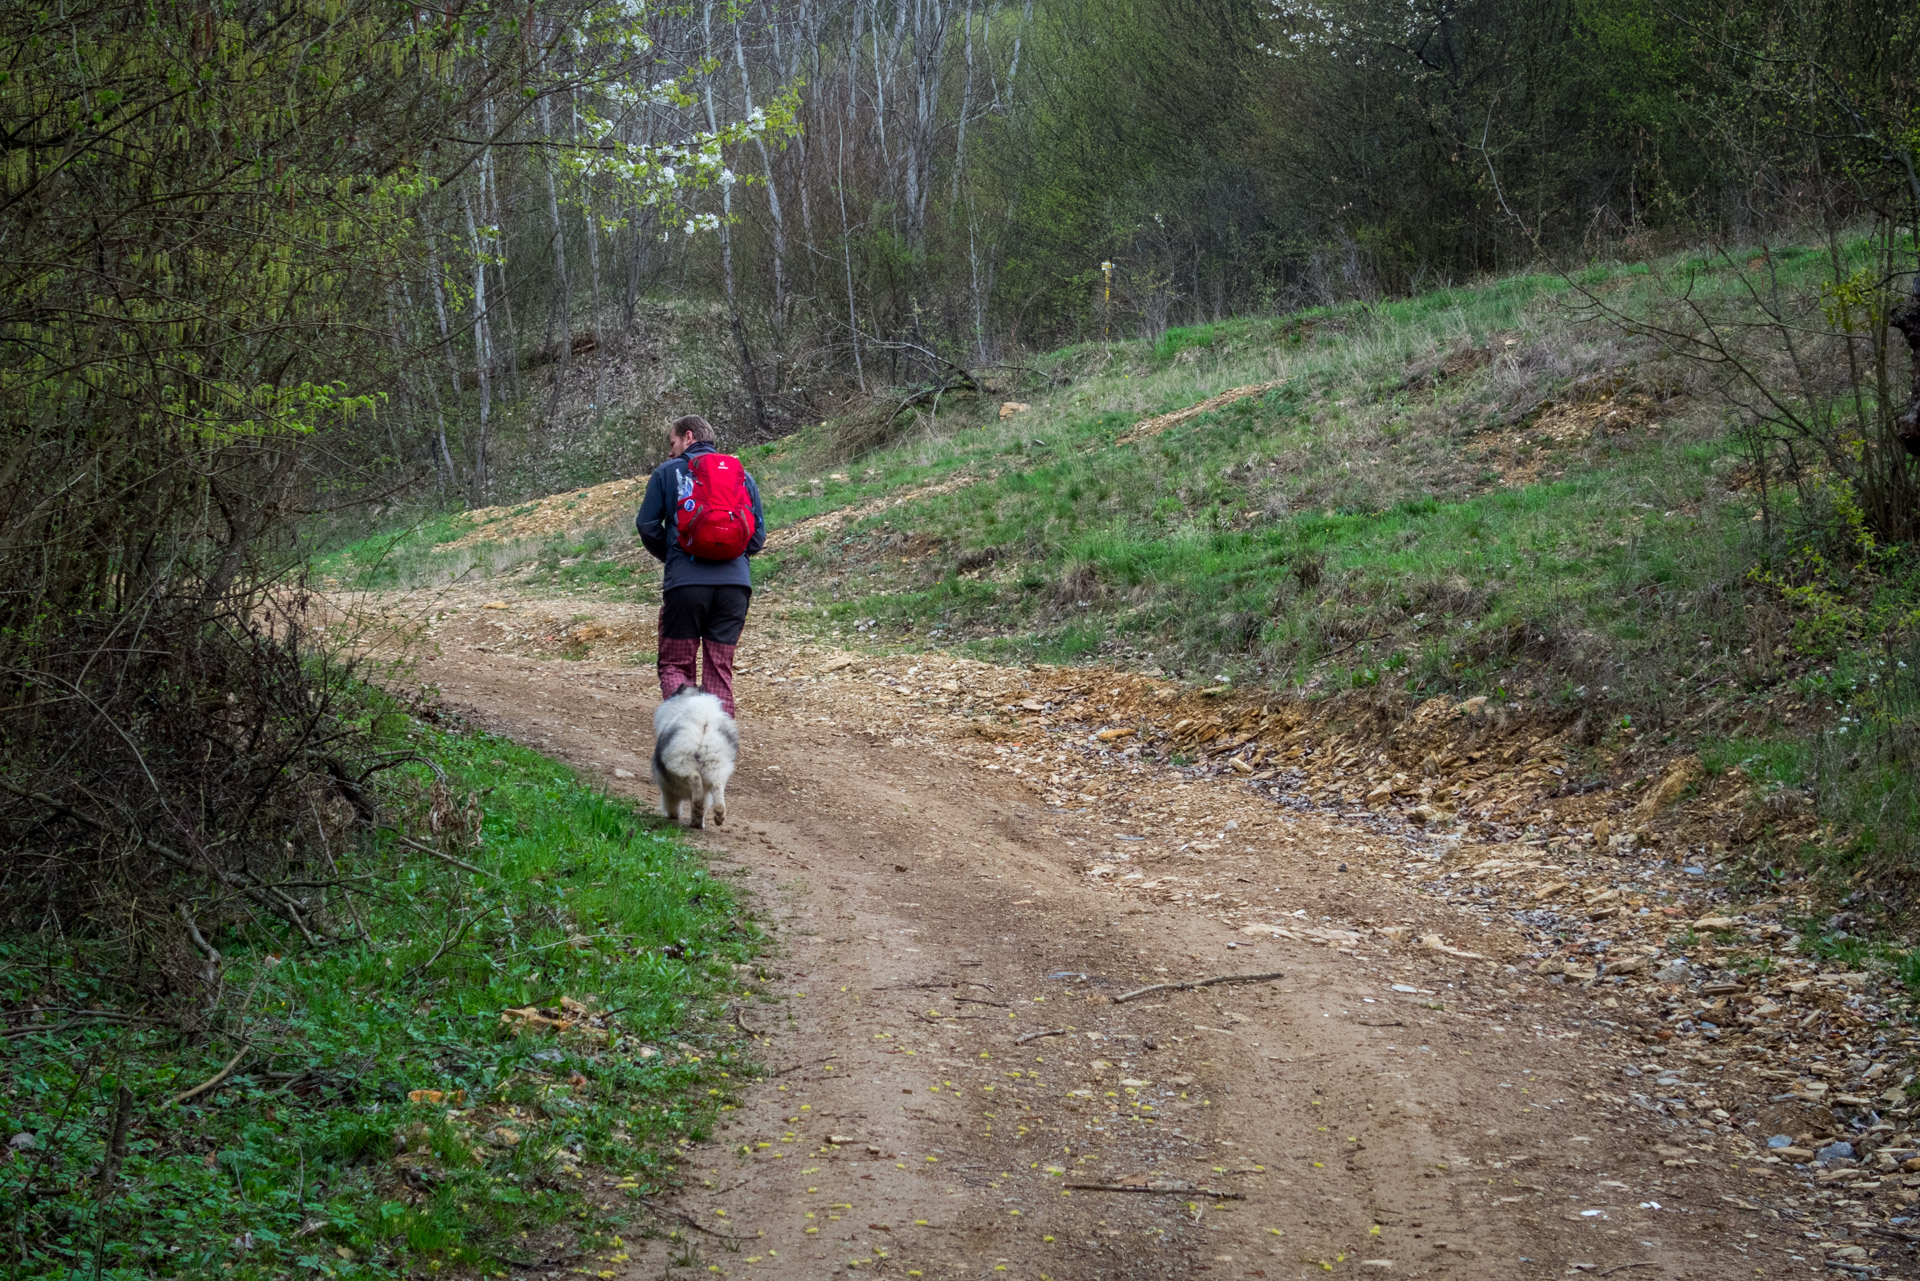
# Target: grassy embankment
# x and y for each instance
(382, 1118)
(1479, 490)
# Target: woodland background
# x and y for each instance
(268, 267)
(274, 272)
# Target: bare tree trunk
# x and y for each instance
(1906, 319)
(966, 109)
(747, 372)
(482, 352)
(440, 307)
(493, 208)
(846, 251)
(563, 348)
(979, 290)
(1013, 64)
(880, 83)
(931, 18)
(630, 287)
(773, 198)
(593, 273)
(248, 516)
(636, 260)
(443, 471)
(805, 37)
(916, 133)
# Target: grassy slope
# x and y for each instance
(1474, 490)
(318, 1157)
(1351, 523)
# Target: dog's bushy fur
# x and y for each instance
(695, 747)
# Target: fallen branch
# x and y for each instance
(424, 848)
(78, 1015)
(795, 1067)
(211, 974)
(1393, 1023)
(33, 1029)
(1147, 427)
(970, 1000)
(116, 1145)
(453, 940)
(1621, 1267)
(687, 1219)
(1188, 987)
(1034, 1036)
(245, 884)
(1161, 1189)
(350, 791)
(214, 1080)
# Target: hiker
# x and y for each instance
(701, 518)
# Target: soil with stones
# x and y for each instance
(963, 880)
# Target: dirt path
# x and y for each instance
(948, 1072)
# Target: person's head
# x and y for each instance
(686, 431)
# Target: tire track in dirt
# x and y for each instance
(1396, 1111)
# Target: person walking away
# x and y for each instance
(702, 519)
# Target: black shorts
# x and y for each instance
(704, 613)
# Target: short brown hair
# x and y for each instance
(693, 425)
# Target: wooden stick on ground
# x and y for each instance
(116, 1145)
(1188, 987)
(232, 1063)
(1034, 1036)
(1162, 1189)
(431, 852)
(687, 1219)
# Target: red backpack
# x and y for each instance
(714, 519)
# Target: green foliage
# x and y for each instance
(317, 1156)
(1335, 525)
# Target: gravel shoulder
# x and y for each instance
(951, 1089)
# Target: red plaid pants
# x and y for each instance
(678, 659)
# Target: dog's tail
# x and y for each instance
(712, 757)
(717, 749)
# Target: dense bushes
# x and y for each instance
(226, 290)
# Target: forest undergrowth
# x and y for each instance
(529, 985)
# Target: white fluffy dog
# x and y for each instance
(695, 746)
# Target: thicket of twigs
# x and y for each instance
(217, 266)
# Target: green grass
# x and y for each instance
(290, 1168)
(1335, 529)
(404, 555)
(1419, 506)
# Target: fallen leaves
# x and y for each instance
(571, 1016)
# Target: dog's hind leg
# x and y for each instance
(670, 797)
(698, 802)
